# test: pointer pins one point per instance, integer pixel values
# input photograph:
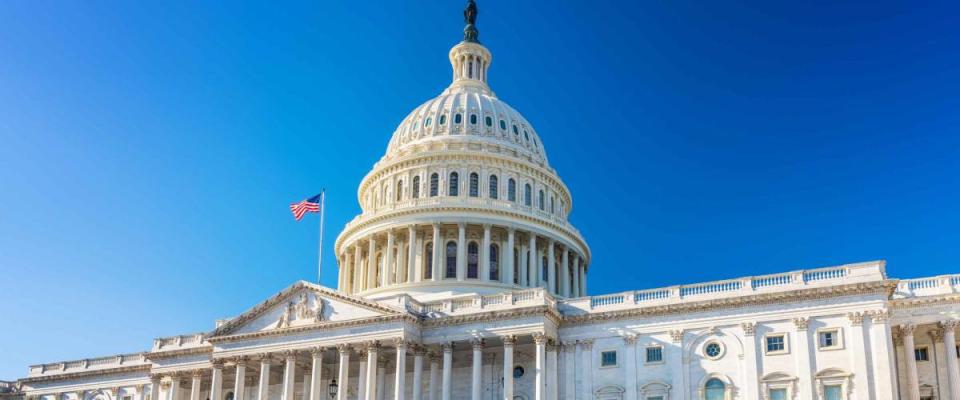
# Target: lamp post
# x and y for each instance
(332, 389)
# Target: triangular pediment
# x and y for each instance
(302, 304)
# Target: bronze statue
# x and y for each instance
(470, 32)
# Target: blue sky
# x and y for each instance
(148, 151)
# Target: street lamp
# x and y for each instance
(332, 389)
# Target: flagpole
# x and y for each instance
(320, 245)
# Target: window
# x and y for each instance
(493, 186)
(473, 119)
(488, 121)
(551, 205)
(474, 184)
(713, 350)
(654, 398)
(518, 372)
(434, 183)
(451, 260)
(540, 201)
(776, 344)
(511, 189)
(454, 189)
(457, 119)
(654, 354)
(515, 132)
(473, 260)
(525, 135)
(516, 267)
(833, 392)
(494, 262)
(543, 269)
(428, 261)
(416, 187)
(503, 125)
(608, 358)
(829, 339)
(714, 389)
(527, 195)
(921, 354)
(427, 122)
(778, 394)
(442, 119)
(399, 190)
(379, 271)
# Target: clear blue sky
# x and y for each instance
(148, 151)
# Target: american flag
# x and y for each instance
(304, 206)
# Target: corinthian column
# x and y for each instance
(539, 389)
(372, 365)
(240, 380)
(461, 251)
(413, 273)
(401, 370)
(507, 261)
(551, 268)
(264, 388)
(447, 371)
(484, 273)
(508, 342)
(913, 381)
(316, 373)
(389, 269)
(950, 350)
(344, 374)
(195, 386)
(358, 274)
(437, 245)
(372, 263)
(564, 271)
(477, 369)
(418, 353)
(532, 263)
(289, 375)
(216, 380)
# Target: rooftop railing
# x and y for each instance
(88, 364)
(477, 303)
(937, 285)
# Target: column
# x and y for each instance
(381, 379)
(576, 277)
(507, 261)
(676, 361)
(859, 350)
(551, 268)
(752, 388)
(485, 254)
(539, 385)
(564, 272)
(569, 368)
(372, 263)
(461, 251)
(583, 279)
(630, 364)
(586, 368)
(195, 386)
(175, 388)
(508, 342)
(950, 351)
(523, 265)
(401, 371)
(913, 381)
(358, 276)
(434, 376)
(344, 374)
(552, 391)
(373, 350)
(437, 245)
(401, 262)
(216, 380)
(289, 374)
(413, 273)
(806, 390)
(154, 387)
(264, 388)
(239, 381)
(389, 269)
(532, 261)
(418, 353)
(886, 380)
(476, 382)
(362, 375)
(447, 371)
(316, 374)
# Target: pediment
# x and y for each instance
(302, 304)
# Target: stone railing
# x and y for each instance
(463, 201)
(175, 342)
(478, 303)
(944, 284)
(88, 364)
(851, 273)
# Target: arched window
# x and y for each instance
(474, 184)
(515, 132)
(516, 266)
(434, 183)
(442, 119)
(416, 187)
(494, 262)
(473, 119)
(543, 270)
(488, 121)
(527, 195)
(540, 201)
(454, 189)
(385, 198)
(473, 260)
(428, 261)
(551, 204)
(511, 189)
(458, 118)
(714, 389)
(399, 190)
(451, 260)
(379, 271)
(503, 125)
(493, 186)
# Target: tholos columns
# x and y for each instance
(154, 388)
(344, 376)
(437, 245)
(401, 374)
(508, 342)
(485, 254)
(358, 276)
(564, 272)
(412, 274)
(389, 269)
(461, 251)
(447, 371)
(532, 263)
(477, 369)
(913, 382)
(507, 261)
(434, 375)
(551, 268)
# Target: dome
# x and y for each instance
(463, 201)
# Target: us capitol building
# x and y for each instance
(463, 279)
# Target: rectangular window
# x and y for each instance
(828, 339)
(920, 354)
(832, 392)
(958, 351)
(654, 398)
(778, 394)
(654, 354)
(608, 358)
(776, 343)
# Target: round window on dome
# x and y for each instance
(503, 125)
(442, 120)
(457, 118)
(488, 121)
(473, 119)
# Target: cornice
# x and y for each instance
(163, 354)
(317, 326)
(80, 374)
(924, 301)
(546, 311)
(876, 287)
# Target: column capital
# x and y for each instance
(196, 374)
(509, 340)
(317, 351)
(907, 330)
(343, 348)
(586, 344)
(447, 347)
(155, 378)
(568, 346)
(950, 324)
(539, 338)
(419, 350)
(630, 339)
(802, 323)
(676, 335)
(880, 316)
(139, 387)
(290, 354)
(265, 358)
(400, 343)
(936, 334)
(433, 356)
(363, 355)
(217, 363)
(749, 328)
(477, 344)
(372, 345)
(241, 360)
(856, 318)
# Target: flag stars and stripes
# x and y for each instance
(304, 206)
